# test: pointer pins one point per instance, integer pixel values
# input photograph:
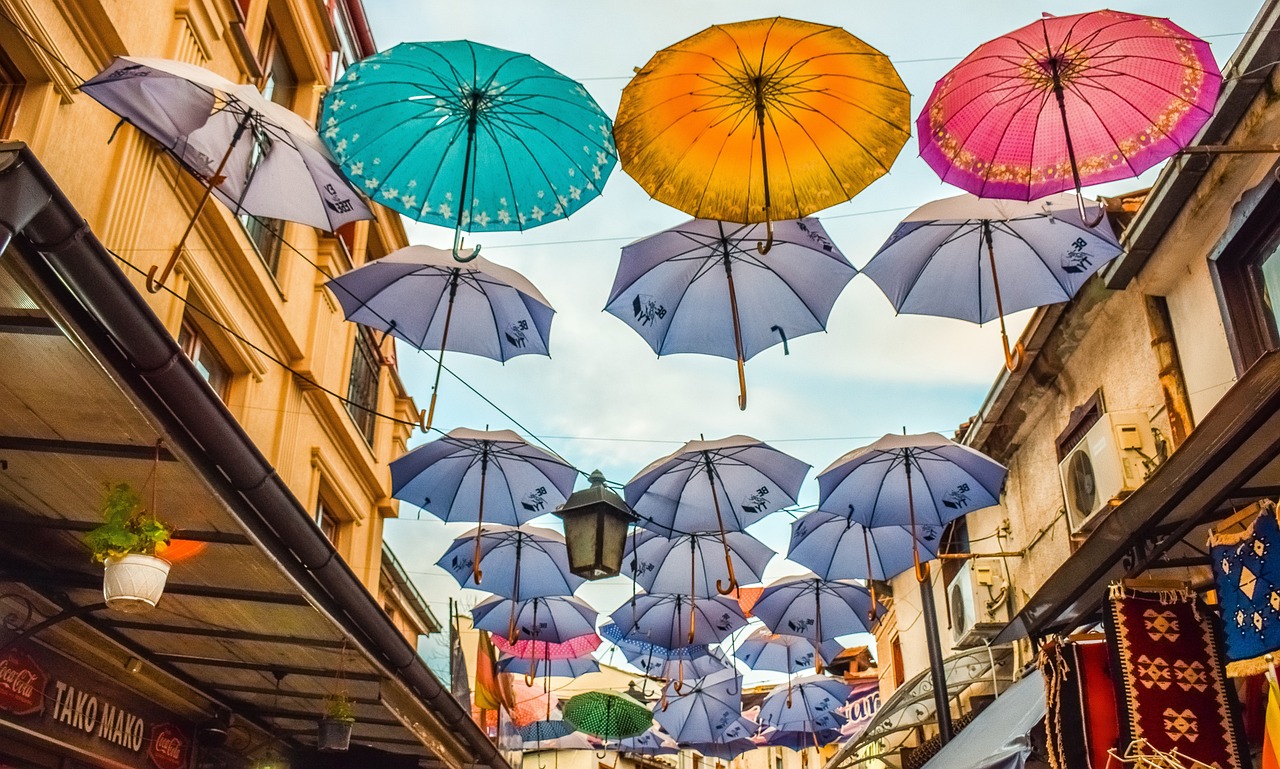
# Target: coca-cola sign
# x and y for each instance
(169, 747)
(22, 683)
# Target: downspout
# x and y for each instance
(77, 273)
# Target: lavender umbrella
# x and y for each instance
(835, 546)
(467, 474)
(704, 710)
(727, 750)
(553, 620)
(816, 608)
(766, 650)
(678, 620)
(661, 662)
(702, 287)
(808, 705)
(651, 743)
(520, 562)
(798, 741)
(682, 564)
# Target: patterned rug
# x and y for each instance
(1173, 692)
(1246, 567)
(1081, 722)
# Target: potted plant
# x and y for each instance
(335, 725)
(126, 544)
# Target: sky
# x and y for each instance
(603, 399)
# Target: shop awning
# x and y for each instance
(1231, 457)
(262, 621)
(999, 738)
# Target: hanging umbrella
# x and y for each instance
(702, 287)
(607, 715)
(807, 705)
(467, 136)
(721, 485)
(762, 120)
(554, 668)
(520, 562)
(797, 741)
(692, 563)
(467, 474)
(1068, 101)
(835, 546)
(673, 621)
(766, 650)
(815, 608)
(420, 294)
(977, 259)
(704, 710)
(546, 730)
(662, 662)
(727, 750)
(542, 650)
(653, 742)
(554, 620)
(254, 155)
(911, 480)
(571, 741)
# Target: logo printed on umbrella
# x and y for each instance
(459, 564)
(647, 310)
(515, 334)
(927, 533)
(1077, 260)
(957, 498)
(800, 625)
(757, 502)
(823, 242)
(725, 624)
(535, 500)
(804, 660)
(336, 202)
(133, 70)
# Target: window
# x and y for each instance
(697, 762)
(11, 84)
(1248, 275)
(327, 521)
(279, 85)
(362, 390)
(899, 667)
(196, 346)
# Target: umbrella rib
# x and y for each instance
(1005, 228)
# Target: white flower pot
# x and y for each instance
(135, 582)
(334, 734)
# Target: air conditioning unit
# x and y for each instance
(976, 599)
(1105, 466)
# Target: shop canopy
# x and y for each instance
(1000, 737)
(262, 619)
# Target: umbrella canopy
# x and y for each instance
(607, 715)
(661, 662)
(910, 480)
(673, 621)
(256, 156)
(571, 741)
(806, 705)
(1068, 101)
(468, 136)
(554, 668)
(729, 749)
(702, 287)
(979, 259)
(835, 546)
(694, 563)
(703, 710)
(554, 620)
(421, 294)
(766, 650)
(776, 738)
(468, 474)
(720, 485)
(542, 650)
(653, 742)
(520, 562)
(815, 608)
(762, 120)
(546, 729)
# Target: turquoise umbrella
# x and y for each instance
(467, 136)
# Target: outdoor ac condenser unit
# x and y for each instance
(1105, 466)
(976, 600)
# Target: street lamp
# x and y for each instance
(595, 528)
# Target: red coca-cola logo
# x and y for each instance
(169, 747)
(22, 683)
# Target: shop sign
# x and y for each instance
(73, 704)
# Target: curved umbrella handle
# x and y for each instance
(1013, 359)
(732, 586)
(763, 248)
(1084, 216)
(457, 248)
(742, 386)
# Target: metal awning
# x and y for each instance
(261, 620)
(999, 738)
(911, 705)
(1231, 457)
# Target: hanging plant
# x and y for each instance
(335, 727)
(127, 543)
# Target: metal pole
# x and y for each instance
(937, 672)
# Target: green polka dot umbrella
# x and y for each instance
(607, 715)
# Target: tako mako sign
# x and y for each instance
(65, 701)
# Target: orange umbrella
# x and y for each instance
(762, 120)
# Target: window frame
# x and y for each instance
(1252, 331)
(195, 344)
(363, 410)
(12, 87)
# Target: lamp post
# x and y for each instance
(595, 528)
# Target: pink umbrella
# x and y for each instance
(1066, 102)
(541, 650)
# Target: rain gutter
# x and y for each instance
(1246, 74)
(91, 294)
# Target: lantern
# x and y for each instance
(595, 528)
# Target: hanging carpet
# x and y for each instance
(1081, 722)
(1246, 566)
